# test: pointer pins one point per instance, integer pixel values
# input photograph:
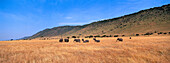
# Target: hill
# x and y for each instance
(149, 20)
(23, 38)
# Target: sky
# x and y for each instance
(20, 18)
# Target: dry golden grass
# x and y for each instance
(152, 49)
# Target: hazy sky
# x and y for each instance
(19, 18)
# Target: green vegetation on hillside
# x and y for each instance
(150, 20)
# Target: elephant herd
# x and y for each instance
(86, 41)
(78, 40)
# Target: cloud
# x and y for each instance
(12, 16)
(68, 17)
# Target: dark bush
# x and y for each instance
(115, 35)
(91, 36)
(123, 35)
(169, 32)
(111, 29)
(148, 33)
(12, 39)
(86, 36)
(155, 32)
(137, 34)
(107, 36)
(73, 36)
(103, 32)
(165, 33)
(97, 36)
(160, 32)
(104, 36)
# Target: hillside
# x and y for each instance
(149, 20)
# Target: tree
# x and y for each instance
(148, 33)
(97, 36)
(165, 33)
(115, 35)
(160, 32)
(90, 36)
(104, 36)
(123, 35)
(73, 36)
(110, 36)
(137, 34)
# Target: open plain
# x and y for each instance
(142, 49)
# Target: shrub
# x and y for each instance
(169, 32)
(165, 33)
(73, 36)
(103, 32)
(110, 36)
(107, 36)
(123, 35)
(160, 32)
(97, 36)
(148, 33)
(111, 29)
(115, 35)
(86, 36)
(137, 34)
(91, 36)
(104, 36)
(155, 32)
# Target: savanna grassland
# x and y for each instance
(142, 49)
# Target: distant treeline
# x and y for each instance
(101, 36)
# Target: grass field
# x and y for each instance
(148, 49)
